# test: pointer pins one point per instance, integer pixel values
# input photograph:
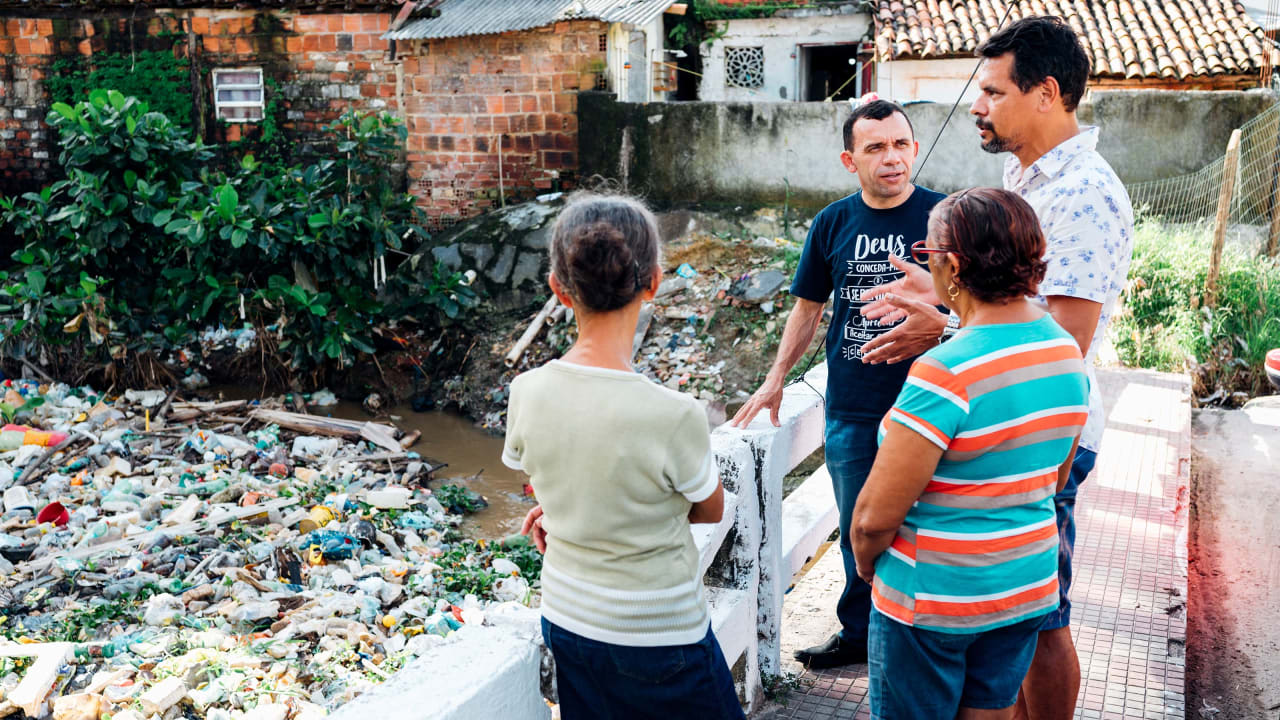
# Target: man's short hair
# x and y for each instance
(1043, 47)
(874, 110)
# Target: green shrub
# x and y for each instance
(145, 242)
(1165, 327)
(160, 78)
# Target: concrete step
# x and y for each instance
(808, 517)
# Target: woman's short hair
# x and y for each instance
(604, 249)
(997, 240)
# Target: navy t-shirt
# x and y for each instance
(848, 251)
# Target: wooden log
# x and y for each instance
(642, 327)
(187, 411)
(316, 425)
(531, 332)
(1229, 165)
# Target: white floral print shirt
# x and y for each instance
(1087, 221)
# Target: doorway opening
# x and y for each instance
(838, 72)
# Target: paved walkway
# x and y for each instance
(1129, 597)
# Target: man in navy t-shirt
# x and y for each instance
(855, 243)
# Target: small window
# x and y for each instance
(238, 94)
(744, 67)
(604, 42)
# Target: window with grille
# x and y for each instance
(238, 94)
(744, 67)
(604, 42)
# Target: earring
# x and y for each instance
(953, 292)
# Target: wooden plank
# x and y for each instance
(316, 425)
(1229, 165)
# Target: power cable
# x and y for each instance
(919, 169)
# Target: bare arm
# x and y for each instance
(802, 325)
(1064, 470)
(902, 470)
(710, 510)
(1077, 316)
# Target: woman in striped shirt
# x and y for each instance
(955, 527)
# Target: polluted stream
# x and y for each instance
(237, 560)
(474, 459)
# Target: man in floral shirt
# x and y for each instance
(1032, 78)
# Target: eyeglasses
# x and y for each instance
(920, 252)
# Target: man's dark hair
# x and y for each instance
(1043, 47)
(874, 110)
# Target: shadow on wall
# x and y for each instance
(767, 153)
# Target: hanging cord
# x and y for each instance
(919, 168)
(956, 104)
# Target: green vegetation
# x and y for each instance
(1163, 325)
(160, 78)
(290, 250)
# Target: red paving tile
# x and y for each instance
(1129, 594)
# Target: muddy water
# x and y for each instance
(474, 457)
(475, 462)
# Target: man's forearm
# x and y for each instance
(802, 325)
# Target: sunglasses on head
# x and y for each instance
(920, 252)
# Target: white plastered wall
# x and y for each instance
(780, 37)
(933, 80)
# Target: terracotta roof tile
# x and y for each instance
(1169, 39)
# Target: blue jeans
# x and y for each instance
(850, 449)
(920, 674)
(1065, 505)
(599, 681)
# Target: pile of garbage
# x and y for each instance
(234, 559)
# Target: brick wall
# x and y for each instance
(25, 54)
(483, 106)
(489, 116)
(320, 63)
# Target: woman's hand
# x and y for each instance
(532, 526)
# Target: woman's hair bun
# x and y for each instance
(604, 249)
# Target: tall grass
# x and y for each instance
(1164, 325)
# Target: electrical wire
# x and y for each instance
(919, 168)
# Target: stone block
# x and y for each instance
(528, 268)
(481, 254)
(448, 255)
(502, 268)
(539, 239)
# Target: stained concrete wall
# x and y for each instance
(680, 154)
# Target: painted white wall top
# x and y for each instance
(780, 37)
(934, 80)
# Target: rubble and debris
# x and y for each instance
(231, 559)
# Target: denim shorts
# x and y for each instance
(925, 675)
(1064, 504)
(602, 681)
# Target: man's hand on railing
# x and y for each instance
(768, 396)
(532, 526)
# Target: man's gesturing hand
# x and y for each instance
(919, 332)
(915, 284)
(769, 395)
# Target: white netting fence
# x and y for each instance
(1193, 198)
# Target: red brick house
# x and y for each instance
(488, 88)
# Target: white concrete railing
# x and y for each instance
(748, 560)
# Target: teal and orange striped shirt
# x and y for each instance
(979, 548)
